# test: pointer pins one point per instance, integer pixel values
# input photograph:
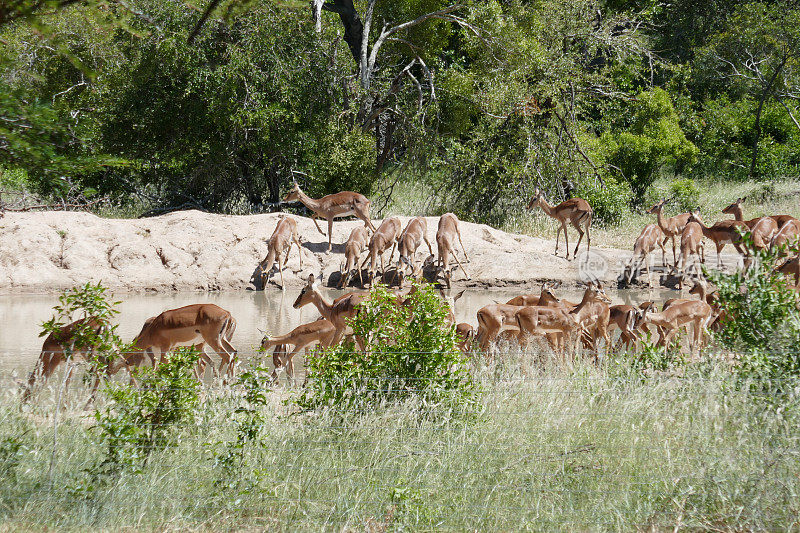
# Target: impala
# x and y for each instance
(691, 245)
(413, 236)
(340, 204)
(282, 238)
(791, 267)
(59, 343)
(722, 233)
(627, 318)
(735, 209)
(197, 324)
(678, 314)
(337, 312)
(355, 245)
(646, 242)
(671, 227)
(446, 234)
(385, 237)
(593, 315)
(320, 331)
(465, 333)
(762, 228)
(787, 236)
(576, 211)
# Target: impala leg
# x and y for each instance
(566, 237)
(580, 238)
(558, 234)
(314, 217)
(299, 250)
(330, 234)
(664, 252)
(673, 250)
(459, 264)
(458, 232)
(719, 255)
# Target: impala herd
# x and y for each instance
(565, 326)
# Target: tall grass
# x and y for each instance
(547, 449)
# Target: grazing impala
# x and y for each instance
(446, 234)
(59, 343)
(356, 243)
(338, 312)
(678, 314)
(722, 233)
(576, 211)
(413, 236)
(320, 331)
(340, 204)
(192, 325)
(282, 238)
(646, 242)
(671, 227)
(385, 237)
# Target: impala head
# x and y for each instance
(597, 292)
(646, 307)
(547, 290)
(694, 216)
(735, 206)
(536, 199)
(306, 295)
(294, 194)
(699, 288)
(657, 207)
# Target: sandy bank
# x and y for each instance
(191, 250)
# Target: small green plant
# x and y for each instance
(410, 351)
(140, 420)
(248, 420)
(610, 202)
(686, 194)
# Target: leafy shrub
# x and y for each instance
(410, 350)
(140, 420)
(653, 140)
(609, 201)
(686, 193)
(764, 322)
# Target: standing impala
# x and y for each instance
(691, 245)
(446, 235)
(722, 233)
(192, 325)
(678, 314)
(671, 227)
(340, 204)
(762, 229)
(385, 237)
(412, 237)
(576, 211)
(282, 238)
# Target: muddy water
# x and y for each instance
(21, 316)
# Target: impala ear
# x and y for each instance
(459, 295)
(311, 279)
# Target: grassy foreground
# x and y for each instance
(588, 450)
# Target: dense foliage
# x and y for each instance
(410, 351)
(762, 322)
(478, 104)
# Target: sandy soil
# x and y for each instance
(191, 250)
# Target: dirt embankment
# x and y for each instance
(191, 250)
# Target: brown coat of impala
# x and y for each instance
(446, 235)
(356, 243)
(320, 331)
(762, 229)
(627, 319)
(722, 233)
(54, 352)
(415, 233)
(670, 226)
(282, 238)
(384, 238)
(337, 205)
(339, 311)
(576, 211)
(191, 325)
(787, 236)
(691, 245)
(678, 314)
(646, 242)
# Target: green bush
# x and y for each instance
(140, 420)
(610, 201)
(410, 351)
(764, 323)
(686, 194)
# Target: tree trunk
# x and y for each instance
(353, 27)
(765, 94)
